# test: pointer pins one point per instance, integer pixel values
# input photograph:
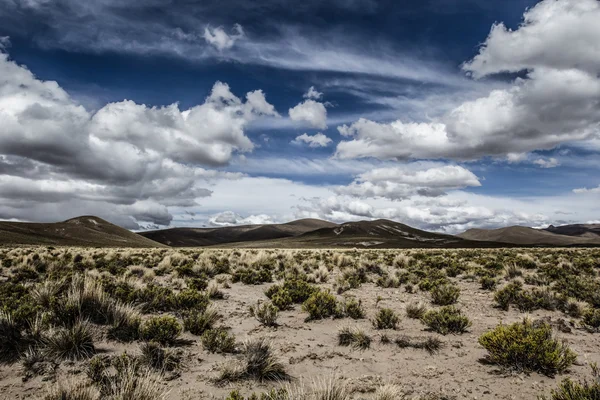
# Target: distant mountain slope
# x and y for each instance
(520, 235)
(581, 230)
(81, 231)
(190, 237)
(369, 234)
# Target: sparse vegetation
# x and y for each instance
(265, 313)
(353, 336)
(164, 330)
(527, 346)
(445, 320)
(63, 309)
(386, 319)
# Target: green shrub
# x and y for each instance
(252, 275)
(527, 346)
(197, 322)
(321, 305)
(189, 299)
(265, 313)
(569, 390)
(353, 308)
(508, 295)
(444, 295)
(282, 299)
(218, 341)
(386, 319)
(348, 336)
(488, 282)
(164, 330)
(446, 320)
(591, 318)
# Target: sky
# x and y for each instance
(444, 115)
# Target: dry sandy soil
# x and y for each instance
(310, 350)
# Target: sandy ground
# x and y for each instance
(310, 351)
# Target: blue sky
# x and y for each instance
(442, 114)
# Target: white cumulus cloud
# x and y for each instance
(310, 112)
(317, 140)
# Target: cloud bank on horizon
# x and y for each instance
(191, 116)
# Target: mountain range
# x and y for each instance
(304, 233)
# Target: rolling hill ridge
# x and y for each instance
(81, 231)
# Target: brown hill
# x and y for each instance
(520, 235)
(368, 234)
(191, 237)
(580, 230)
(81, 231)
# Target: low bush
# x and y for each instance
(218, 341)
(353, 308)
(488, 282)
(446, 320)
(445, 295)
(527, 346)
(164, 330)
(569, 390)
(321, 305)
(385, 319)
(252, 275)
(508, 295)
(591, 318)
(265, 313)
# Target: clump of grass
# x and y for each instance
(258, 362)
(431, 344)
(126, 321)
(199, 321)
(71, 390)
(134, 383)
(527, 346)
(10, 337)
(386, 319)
(389, 392)
(164, 330)
(73, 343)
(213, 292)
(156, 357)
(446, 320)
(353, 336)
(218, 341)
(265, 313)
(416, 310)
(445, 295)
